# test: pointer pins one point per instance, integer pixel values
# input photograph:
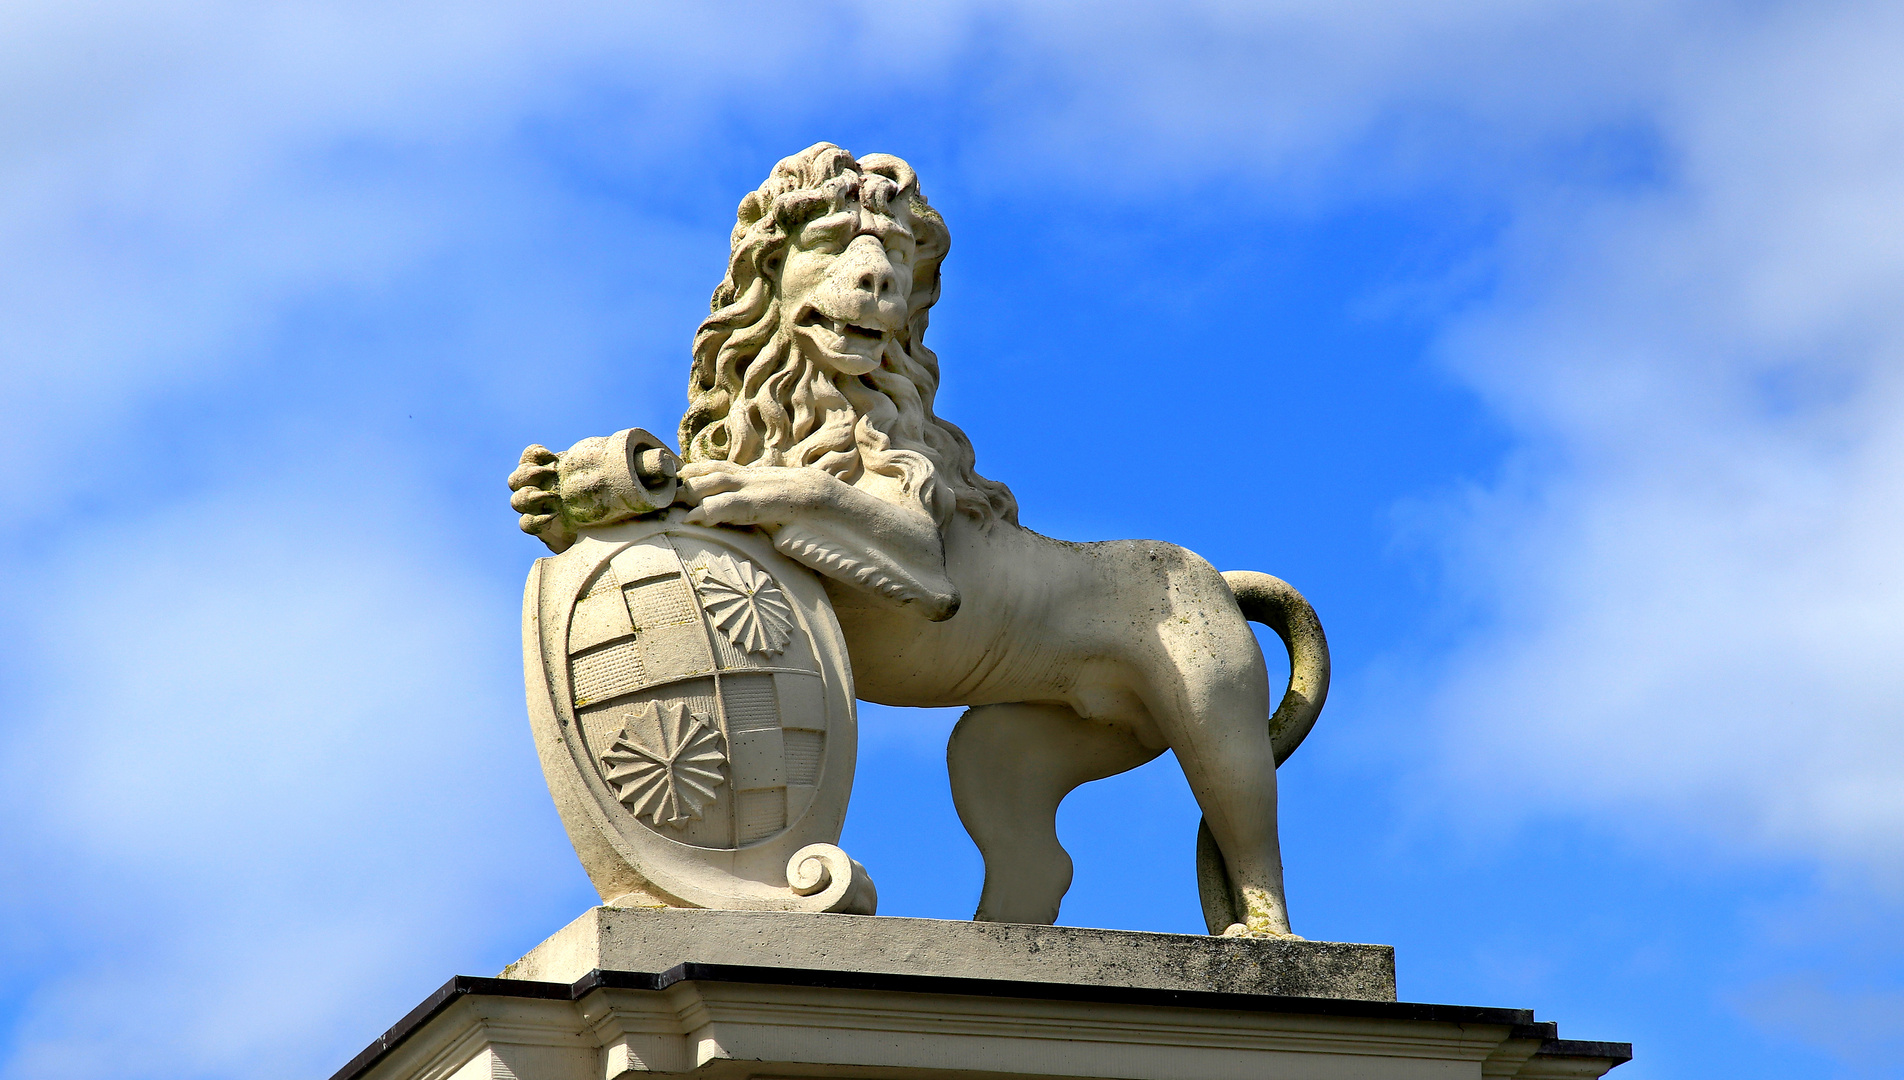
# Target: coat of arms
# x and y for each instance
(694, 698)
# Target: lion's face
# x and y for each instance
(812, 354)
(846, 286)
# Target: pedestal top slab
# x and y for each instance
(644, 939)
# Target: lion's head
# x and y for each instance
(814, 353)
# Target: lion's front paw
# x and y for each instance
(532, 494)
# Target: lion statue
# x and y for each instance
(810, 419)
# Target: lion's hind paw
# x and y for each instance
(1236, 930)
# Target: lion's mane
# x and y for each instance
(754, 399)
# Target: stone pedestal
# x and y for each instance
(631, 939)
(761, 996)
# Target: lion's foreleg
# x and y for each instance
(1011, 765)
(844, 556)
(824, 523)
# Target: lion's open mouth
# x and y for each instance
(848, 333)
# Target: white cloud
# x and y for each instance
(1695, 334)
(1862, 1028)
(181, 176)
(266, 768)
(263, 736)
(258, 755)
(1696, 563)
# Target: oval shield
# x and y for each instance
(693, 708)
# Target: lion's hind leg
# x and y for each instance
(1206, 689)
(1011, 765)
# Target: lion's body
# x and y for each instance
(1097, 627)
(811, 418)
(1079, 661)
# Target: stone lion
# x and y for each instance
(810, 419)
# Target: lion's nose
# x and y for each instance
(876, 278)
(880, 284)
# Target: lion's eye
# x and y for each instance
(826, 235)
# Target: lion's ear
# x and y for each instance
(750, 209)
(933, 239)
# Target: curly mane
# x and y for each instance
(754, 399)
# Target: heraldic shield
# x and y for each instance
(693, 709)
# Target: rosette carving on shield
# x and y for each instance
(742, 601)
(670, 784)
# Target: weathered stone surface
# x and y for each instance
(654, 940)
(810, 430)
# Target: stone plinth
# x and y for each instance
(1059, 1003)
(635, 939)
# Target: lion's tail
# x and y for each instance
(1277, 605)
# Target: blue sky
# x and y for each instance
(1553, 349)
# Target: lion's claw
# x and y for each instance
(535, 500)
(527, 476)
(532, 495)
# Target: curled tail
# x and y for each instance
(1277, 605)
